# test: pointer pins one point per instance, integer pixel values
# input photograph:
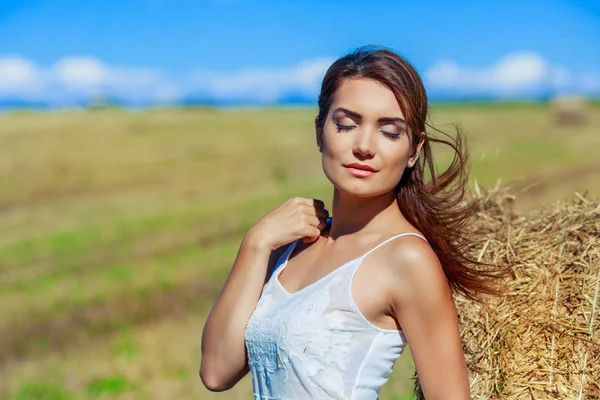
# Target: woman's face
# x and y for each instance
(364, 142)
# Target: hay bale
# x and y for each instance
(541, 340)
(570, 110)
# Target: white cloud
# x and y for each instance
(514, 75)
(81, 77)
(590, 83)
(81, 72)
(518, 70)
(18, 77)
(84, 76)
(167, 93)
(262, 84)
(77, 78)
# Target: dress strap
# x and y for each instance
(283, 259)
(382, 243)
(390, 239)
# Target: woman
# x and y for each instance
(320, 307)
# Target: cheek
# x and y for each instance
(331, 159)
(394, 164)
(334, 142)
(336, 150)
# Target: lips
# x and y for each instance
(363, 167)
(360, 170)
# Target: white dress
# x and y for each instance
(315, 343)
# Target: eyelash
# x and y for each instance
(346, 128)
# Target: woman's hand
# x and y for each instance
(296, 218)
(224, 360)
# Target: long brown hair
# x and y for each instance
(437, 207)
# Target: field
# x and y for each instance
(117, 229)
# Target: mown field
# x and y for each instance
(117, 229)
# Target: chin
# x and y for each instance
(357, 187)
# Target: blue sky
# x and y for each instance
(145, 51)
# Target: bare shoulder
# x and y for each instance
(415, 272)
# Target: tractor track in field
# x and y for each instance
(535, 188)
(42, 267)
(47, 333)
(72, 194)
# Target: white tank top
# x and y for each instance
(315, 343)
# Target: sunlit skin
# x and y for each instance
(365, 125)
(400, 286)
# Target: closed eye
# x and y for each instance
(393, 136)
(343, 128)
(346, 128)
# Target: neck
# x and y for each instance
(361, 214)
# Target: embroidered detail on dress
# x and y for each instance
(304, 333)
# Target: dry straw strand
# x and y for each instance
(541, 339)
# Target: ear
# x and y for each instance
(319, 134)
(415, 156)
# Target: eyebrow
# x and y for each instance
(385, 120)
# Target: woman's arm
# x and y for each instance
(224, 360)
(423, 306)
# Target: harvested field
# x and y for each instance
(117, 228)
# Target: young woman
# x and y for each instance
(320, 307)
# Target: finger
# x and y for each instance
(312, 210)
(311, 235)
(319, 212)
(313, 220)
(315, 210)
(302, 201)
(318, 204)
(322, 224)
(324, 214)
(306, 201)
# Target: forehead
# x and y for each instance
(368, 98)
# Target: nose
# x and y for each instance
(363, 146)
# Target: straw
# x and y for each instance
(541, 339)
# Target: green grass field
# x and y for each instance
(117, 229)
